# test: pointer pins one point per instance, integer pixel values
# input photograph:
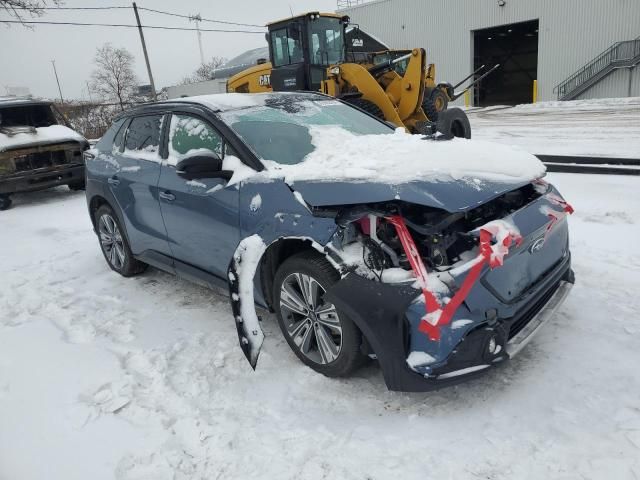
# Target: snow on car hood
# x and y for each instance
(42, 136)
(454, 175)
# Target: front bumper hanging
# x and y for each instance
(379, 310)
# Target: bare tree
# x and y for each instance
(114, 78)
(205, 71)
(18, 9)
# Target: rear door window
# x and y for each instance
(143, 137)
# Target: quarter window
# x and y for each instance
(143, 137)
(188, 135)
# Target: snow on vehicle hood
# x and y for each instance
(453, 175)
(42, 136)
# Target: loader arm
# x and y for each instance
(353, 75)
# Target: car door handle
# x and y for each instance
(168, 196)
(115, 181)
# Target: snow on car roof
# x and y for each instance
(221, 102)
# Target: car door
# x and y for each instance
(200, 215)
(134, 183)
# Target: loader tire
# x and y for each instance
(366, 105)
(453, 122)
(435, 103)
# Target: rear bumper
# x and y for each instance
(381, 315)
(42, 179)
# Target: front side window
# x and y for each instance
(143, 137)
(190, 135)
(287, 46)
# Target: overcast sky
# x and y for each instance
(25, 55)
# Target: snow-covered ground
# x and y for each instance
(607, 127)
(103, 377)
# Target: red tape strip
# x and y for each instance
(437, 316)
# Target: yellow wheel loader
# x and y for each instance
(311, 52)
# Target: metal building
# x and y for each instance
(575, 49)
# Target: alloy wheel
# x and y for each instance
(111, 241)
(311, 322)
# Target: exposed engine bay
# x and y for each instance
(443, 239)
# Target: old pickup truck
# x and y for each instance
(38, 150)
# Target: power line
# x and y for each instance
(159, 27)
(162, 12)
(73, 8)
(190, 17)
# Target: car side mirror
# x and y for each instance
(208, 165)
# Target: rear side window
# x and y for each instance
(143, 137)
(108, 140)
(118, 141)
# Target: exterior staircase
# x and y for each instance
(619, 55)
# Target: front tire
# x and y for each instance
(366, 105)
(320, 336)
(114, 244)
(434, 104)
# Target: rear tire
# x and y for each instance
(5, 202)
(454, 123)
(366, 105)
(114, 244)
(434, 104)
(321, 337)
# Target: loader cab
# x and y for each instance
(301, 48)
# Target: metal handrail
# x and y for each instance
(619, 52)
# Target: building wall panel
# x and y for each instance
(572, 32)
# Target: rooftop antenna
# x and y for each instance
(291, 10)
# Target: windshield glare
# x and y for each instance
(279, 131)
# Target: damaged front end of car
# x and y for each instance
(442, 292)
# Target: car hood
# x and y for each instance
(13, 138)
(453, 196)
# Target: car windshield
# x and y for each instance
(27, 115)
(280, 130)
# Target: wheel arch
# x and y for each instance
(94, 204)
(277, 253)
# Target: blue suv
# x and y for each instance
(436, 273)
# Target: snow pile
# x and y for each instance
(43, 136)
(401, 157)
(601, 128)
(241, 171)
(176, 399)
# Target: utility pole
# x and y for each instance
(197, 18)
(144, 50)
(53, 62)
(89, 92)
